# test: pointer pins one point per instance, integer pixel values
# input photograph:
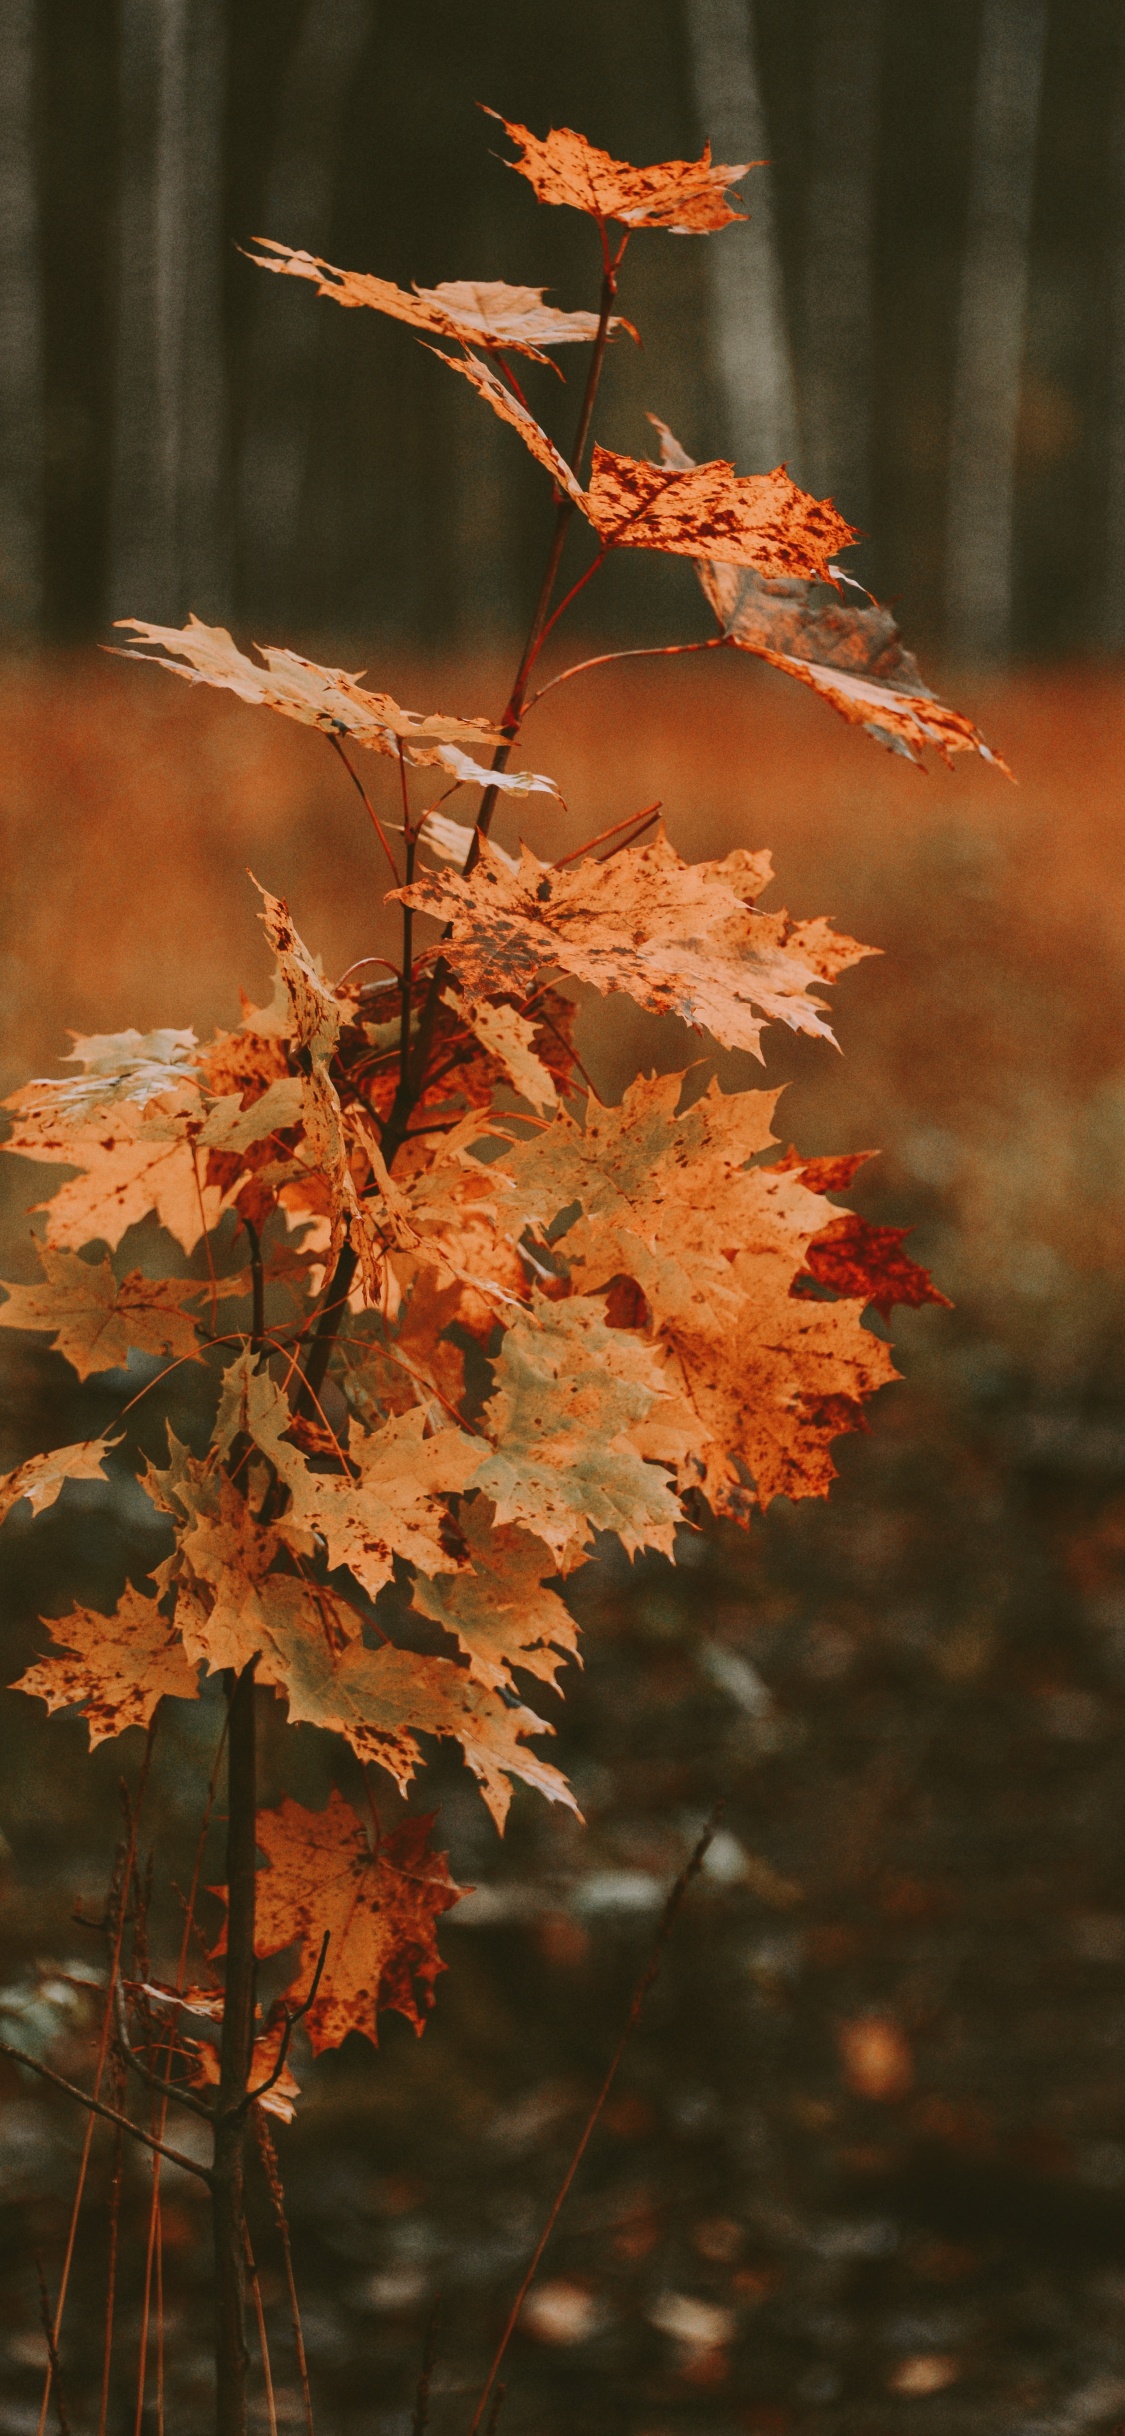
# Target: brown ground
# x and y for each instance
(918, 2224)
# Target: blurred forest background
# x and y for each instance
(865, 2168)
(925, 314)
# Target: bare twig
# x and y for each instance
(635, 820)
(109, 2114)
(48, 2325)
(260, 2316)
(268, 2155)
(602, 659)
(421, 2419)
(152, 2080)
(361, 790)
(292, 2018)
(667, 1921)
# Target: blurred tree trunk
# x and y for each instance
(21, 362)
(837, 338)
(285, 330)
(167, 511)
(750, 337)
(1113, 579)
(991, 328)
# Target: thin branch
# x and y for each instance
(115, 1911)
(260, 2315)
(258, 1284)
(50, 2338)
(361, 790)
(268, 2155)
(644, 1983)
(152, 2080)
(292, 2017)
(421, 2419)
(602, 659)
(513, 712)
(109, 2114)
(577, 852)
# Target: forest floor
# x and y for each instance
(864, 2169)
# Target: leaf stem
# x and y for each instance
(513, 712)
(361, 790)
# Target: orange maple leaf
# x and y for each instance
(743, 520)
(380, 1907)
(680, 938)
(478, 312)
(94, 1322)
(853, 657)
(757, 1383)
(687, 197)
(115, 1668)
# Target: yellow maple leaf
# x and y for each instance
(509, 1036)
(757, 1383)
(327, 698)
(41, 1478)
(680, 938)
(569, 1394)
(115, 1668)
(94, 1322)
(498, 1607)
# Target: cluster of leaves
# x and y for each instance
(478, 1317)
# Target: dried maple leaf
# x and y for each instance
(94, 1322)
(679, 938)
(687, 197)
(855, 658)
(115, 1066)
(327, 698)
(477, 312)
(757, 1383)
(132, 1158)
(390, 1502)
(115, 1668)
(380, 1700)
(511, 409)
(742, 520)
(380, 1908)
(831, 1175)
(41, 1478)
(569, 1393)
(867, 1264)
(509, 1037)
(499, 1608)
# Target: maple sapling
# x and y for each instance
(364, 1182)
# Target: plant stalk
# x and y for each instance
(513, 711)
(235, 2056)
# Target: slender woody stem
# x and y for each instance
(235, 2054)
(513, 713)
(412, 1067)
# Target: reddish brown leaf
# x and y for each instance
(868, 1265)
(380, 1907)
(853, 657)
(741, 520)
(511, 409)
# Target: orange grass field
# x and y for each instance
(985, 1051)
